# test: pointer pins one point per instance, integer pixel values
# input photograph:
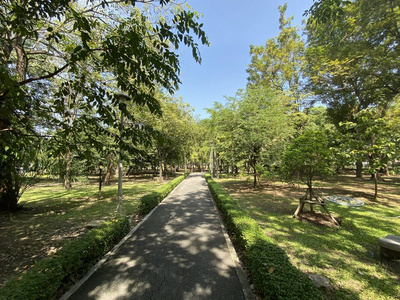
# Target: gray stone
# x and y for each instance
(320, 281)
(390, 247)
(391, 242)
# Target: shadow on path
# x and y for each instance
(179, 252)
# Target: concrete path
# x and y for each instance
(179, 252)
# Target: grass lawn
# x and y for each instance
(52, 215)
(349, 255)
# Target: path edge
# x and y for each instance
(247, 291)
(78, 284)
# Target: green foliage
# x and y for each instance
(149, 201)
(254, 127)
(371, 138)
(50, 276)
(279, 65)
(308, 156)
(351, 55)
(91, 50)
(272, 273)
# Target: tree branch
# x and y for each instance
(50, 75)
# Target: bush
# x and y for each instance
(273, 274)
(47, 278)
(149, 201)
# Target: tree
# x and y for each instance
(93, 50)
(352, 56)
(381, 146)
(256, 128)
(279, 65)
(307, 157)
(200, 148)
(173, 132)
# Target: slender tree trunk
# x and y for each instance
(376, 185)
(22, 61)
(109, 171)
(254, 163)
(100, 182)
(160, 170)
(185, 162)
(217, 167)
(67, 174)
(359, 168)
(387, 173)
(212, 162)
(165, 170)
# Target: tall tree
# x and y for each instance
(261, 128)
(352, 54)
(279, 64)
(124, 46)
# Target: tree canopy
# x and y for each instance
(63, 61)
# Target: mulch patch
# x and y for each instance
(317, 218)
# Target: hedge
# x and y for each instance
(272, 273)
(151, 200)
(51, 276)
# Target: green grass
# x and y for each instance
(348, 256)
(52, 215)
(273, 275)
(81, 203)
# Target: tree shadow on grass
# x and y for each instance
(349, 256)
(51, 219)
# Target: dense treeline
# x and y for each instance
(63, 65)
(313, 107)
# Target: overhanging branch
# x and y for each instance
(50, 75)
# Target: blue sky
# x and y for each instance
(232, 26)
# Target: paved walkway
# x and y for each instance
(179, 252)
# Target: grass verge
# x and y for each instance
(48, 278)
(348, 256)
(52, 216)
(272, 273)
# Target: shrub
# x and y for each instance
(149, 201)
(47, 278)
(273, 274)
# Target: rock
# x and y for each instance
(320, 281)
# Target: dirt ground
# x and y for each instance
(22, 245)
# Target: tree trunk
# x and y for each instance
(185, 162)
(359, 168)
(376, 185)
(387, 173)
(100, 182)
(165, 170)
(21, 58)
(9, 190)
(160, 173)
(109, 171)
(212, 162)
(67, 174)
